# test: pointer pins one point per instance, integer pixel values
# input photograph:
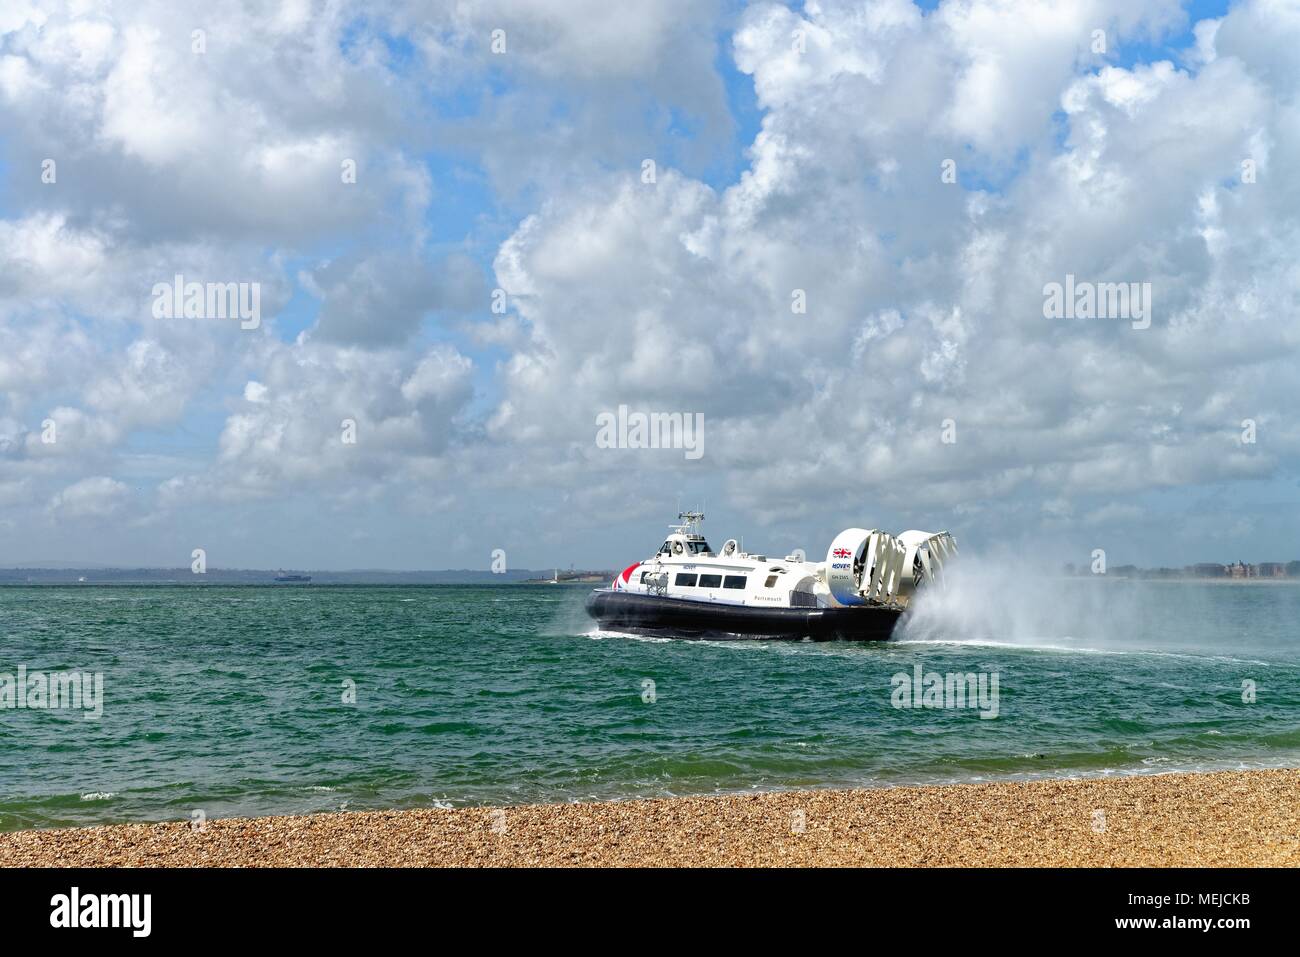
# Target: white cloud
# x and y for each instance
(97, 497)
(326, 416)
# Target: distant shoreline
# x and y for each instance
(1218, 819)
(238, 576)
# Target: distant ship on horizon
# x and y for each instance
(282, 577)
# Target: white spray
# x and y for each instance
(1004, 599)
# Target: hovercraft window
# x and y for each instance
(771, 581)
(699, 548)
(734, 581)
(710, 581)
(684, 579)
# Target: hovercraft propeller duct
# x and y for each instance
(868, 566)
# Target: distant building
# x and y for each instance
(1237, 570)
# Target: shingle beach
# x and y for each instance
(1235, 818)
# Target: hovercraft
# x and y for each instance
(688, 591)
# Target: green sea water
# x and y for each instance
(231, 700)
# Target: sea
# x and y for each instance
(219, 701)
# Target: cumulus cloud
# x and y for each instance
(96, 497)
(835, 309)
(381, 300)
(925, 300)
(322, 414)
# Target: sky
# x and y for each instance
(825, 230)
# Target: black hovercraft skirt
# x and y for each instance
(687, 618)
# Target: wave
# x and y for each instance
(1045, 645)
